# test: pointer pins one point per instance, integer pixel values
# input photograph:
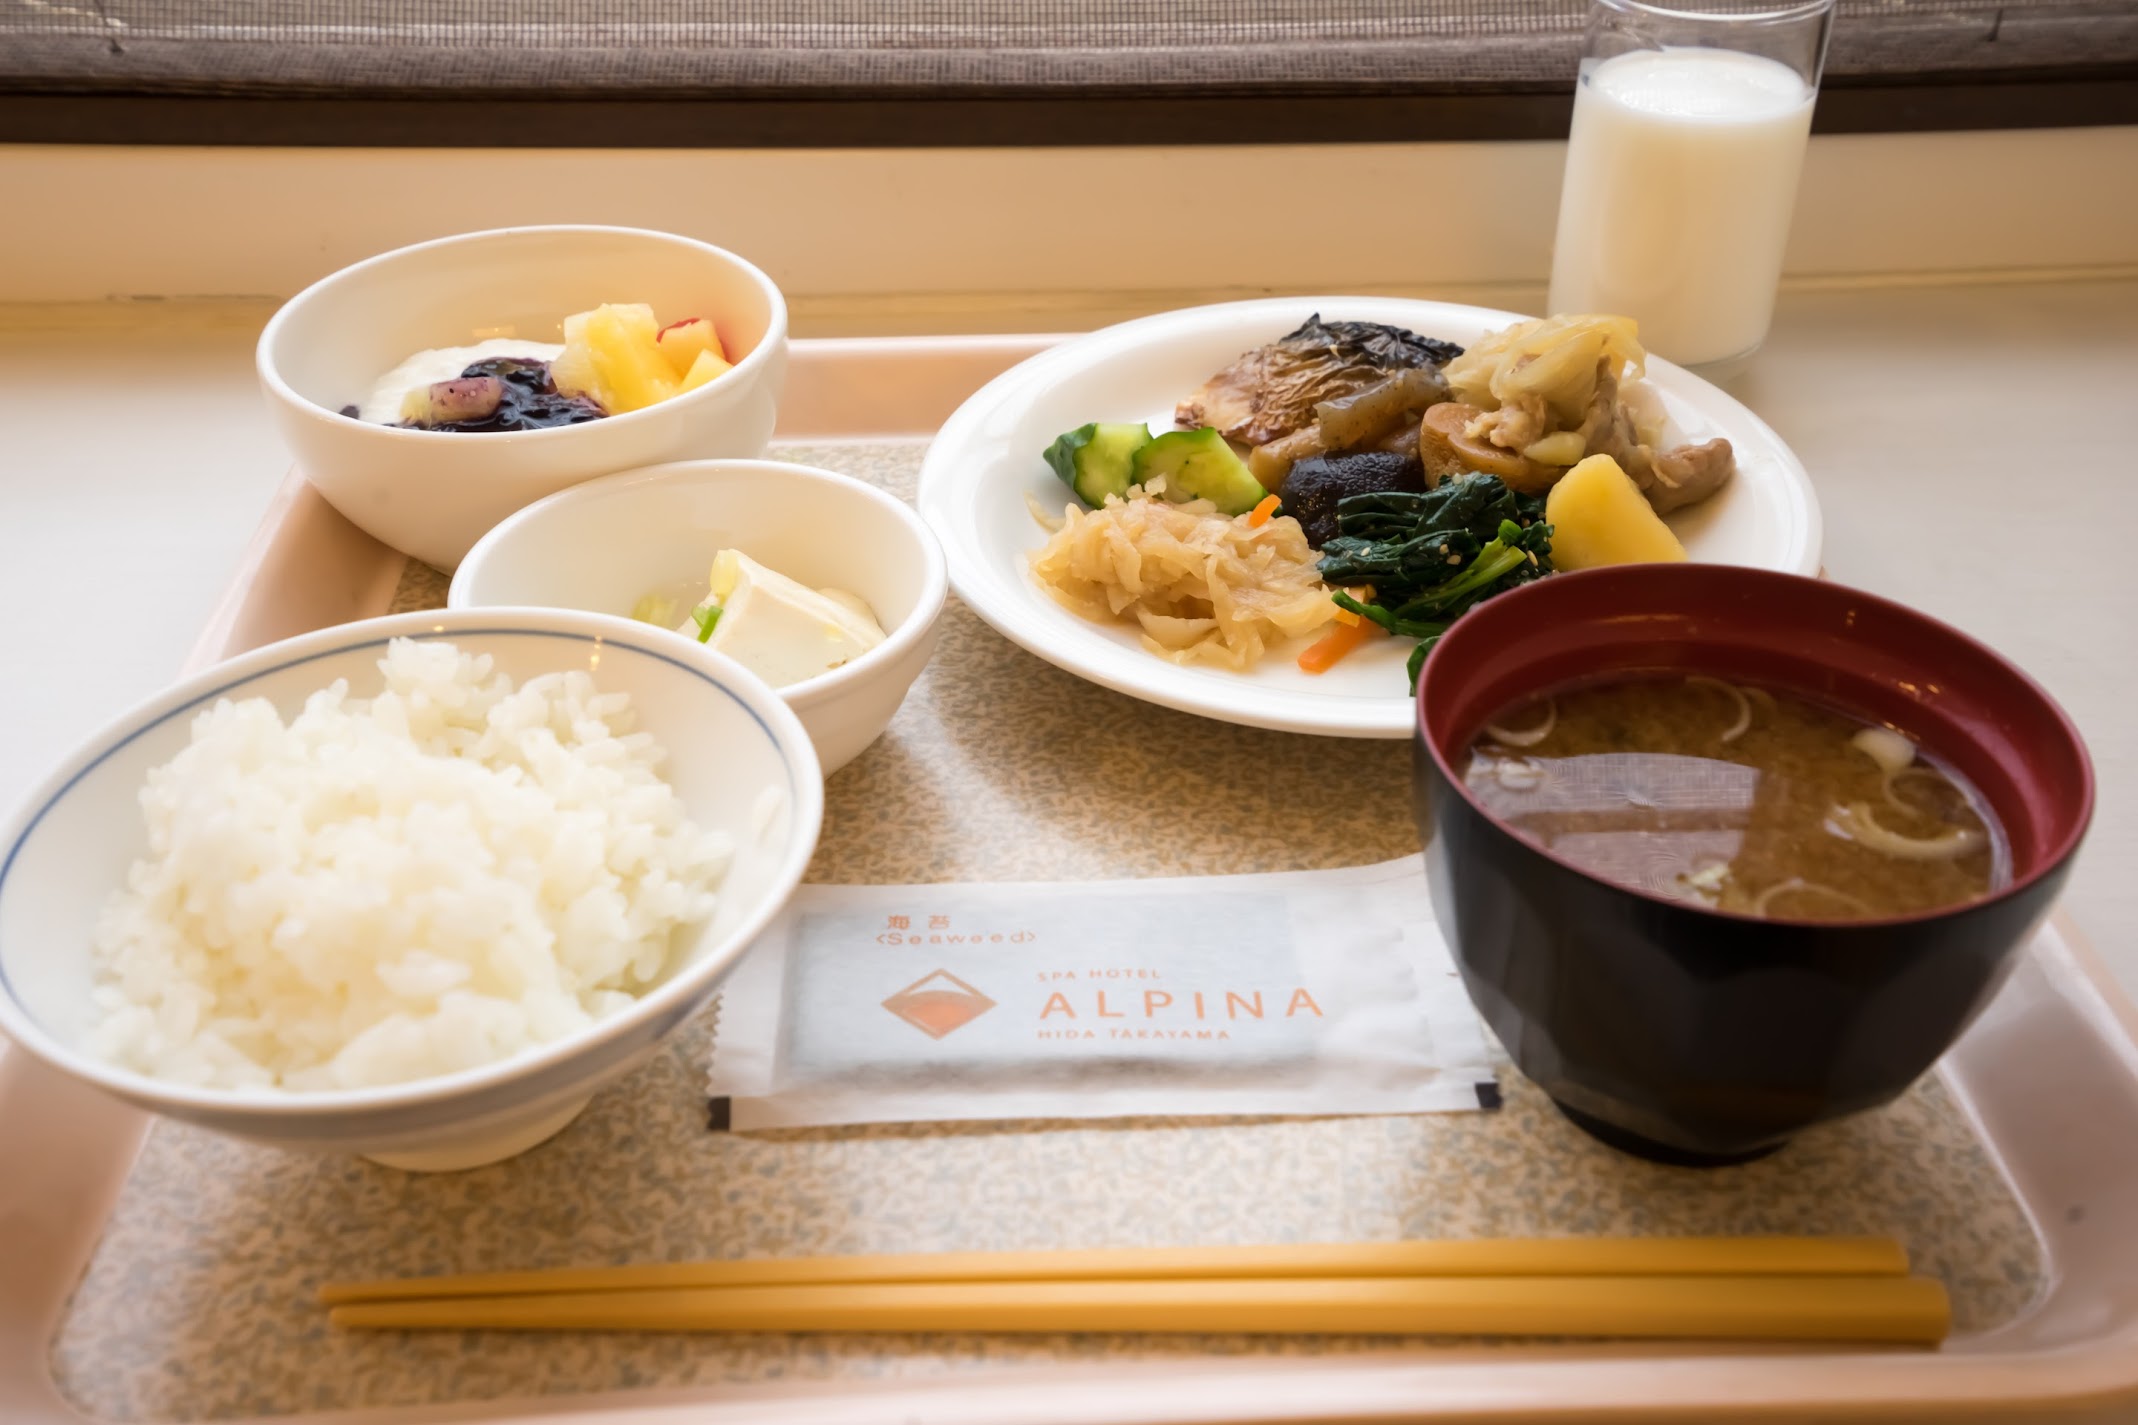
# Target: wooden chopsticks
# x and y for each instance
(1499, 1257)
(1717, 1288)
(1893, 1309)
(1801, 1289)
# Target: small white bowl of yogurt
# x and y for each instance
(340, 362)
(825, 586)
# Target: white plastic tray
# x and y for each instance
(2049, 1077)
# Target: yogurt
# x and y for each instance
(1681, 172)
(383, 405)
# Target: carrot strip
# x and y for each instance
(1261, 514)
(1364, 594)
(1323, 653)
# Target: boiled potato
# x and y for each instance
(1599, 516)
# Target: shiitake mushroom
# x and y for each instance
(1315, 485)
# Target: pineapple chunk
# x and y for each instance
(634, 317)
(626, 362)
(685, 341)
(610, 355)
(572, 372)
(705, 368)
(1599, 516)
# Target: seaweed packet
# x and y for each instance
(1305, 993)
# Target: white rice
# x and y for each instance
(389, 889)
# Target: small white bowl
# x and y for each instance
(432, 493)
(737, 757)
(606, 544)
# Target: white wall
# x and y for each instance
(980, 238)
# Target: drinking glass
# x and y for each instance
(1681, 171)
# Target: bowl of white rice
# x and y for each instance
(413, 888)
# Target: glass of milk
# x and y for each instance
(1681, 171)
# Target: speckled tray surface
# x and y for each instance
(199, 1302)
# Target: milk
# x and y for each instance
(1681, 173)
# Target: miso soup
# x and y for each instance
(1739, 798)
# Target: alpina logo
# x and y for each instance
(937, 1003)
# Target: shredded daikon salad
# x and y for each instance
(1204, 588)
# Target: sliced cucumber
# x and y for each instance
(1199, 465)
(1096, 460)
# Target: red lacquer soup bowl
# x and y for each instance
(1699, 1036)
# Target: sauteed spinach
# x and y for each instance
(1430, 556)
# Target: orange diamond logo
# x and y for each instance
(937, 1003)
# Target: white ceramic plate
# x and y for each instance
(986, 460)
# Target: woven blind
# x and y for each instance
(802, 47)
